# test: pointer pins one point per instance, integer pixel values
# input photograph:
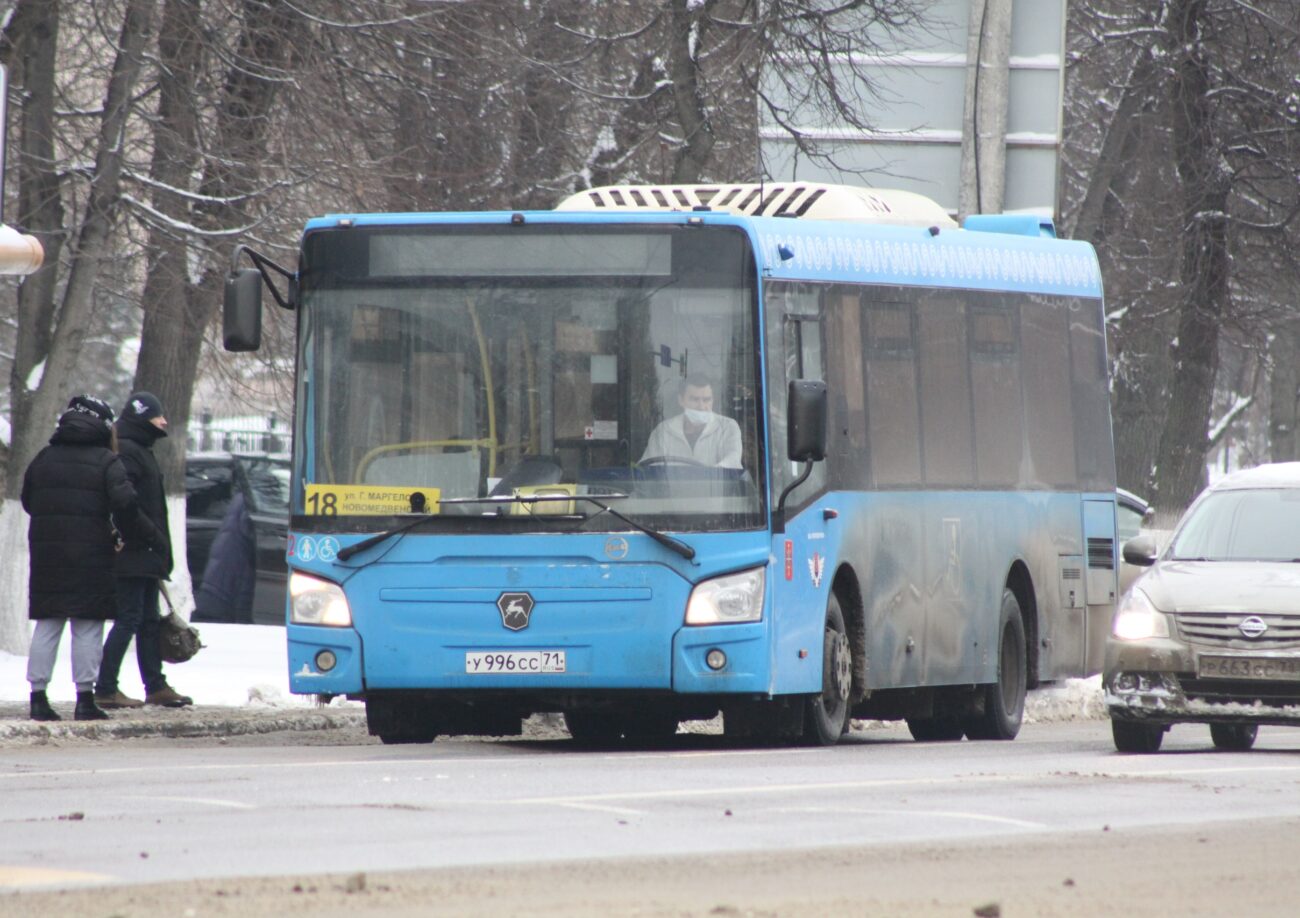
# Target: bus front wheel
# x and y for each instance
(1004, 700)
(828, 713)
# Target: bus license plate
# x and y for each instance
(479, 663)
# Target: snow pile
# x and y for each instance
(1070, 699)
(239, 665)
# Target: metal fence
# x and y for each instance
(239, 435)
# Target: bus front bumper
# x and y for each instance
(719, 659)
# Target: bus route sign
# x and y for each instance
(365, 500)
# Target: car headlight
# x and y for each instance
(723, 600)
(1136, 618)
(313, 601)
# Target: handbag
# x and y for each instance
(178, 640)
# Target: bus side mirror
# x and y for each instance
(242, 310)
(806, 420)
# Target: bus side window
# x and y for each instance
(893, 409)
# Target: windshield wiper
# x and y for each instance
(418, 510)
(673, 544)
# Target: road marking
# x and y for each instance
(947, 814)
(209, 801)
(599, 808)
(755, 790)
(19, 877)
(448, 762)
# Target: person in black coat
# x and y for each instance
(73, 490)
(226, 593)
(141, 565)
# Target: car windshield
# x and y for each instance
(268, 484)
(1248, 525)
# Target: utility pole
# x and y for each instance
(984, 121)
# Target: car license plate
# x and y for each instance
(523, 662)
(1284, 669)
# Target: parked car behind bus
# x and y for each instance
(239, 505)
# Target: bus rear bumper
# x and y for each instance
(324, 661)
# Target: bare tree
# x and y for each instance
(51, 328)
(1188, 184)
(191, 222)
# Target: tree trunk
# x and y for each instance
(173, 328)
(1110, 164)
(1284, 400)
(93, 243)
(1180, 472)
(35, 30)
(697, 134)
(167, 316)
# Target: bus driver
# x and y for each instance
(697, 433)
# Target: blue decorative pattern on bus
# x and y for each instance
(952, 259)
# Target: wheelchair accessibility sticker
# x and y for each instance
(309, 548)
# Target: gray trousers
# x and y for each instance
(87, 648)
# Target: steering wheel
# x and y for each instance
(655, 461)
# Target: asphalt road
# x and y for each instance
(157, 810)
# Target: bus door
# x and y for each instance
(807, 549)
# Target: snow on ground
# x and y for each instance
(247, 665)
(238, 665)
(1070, 699)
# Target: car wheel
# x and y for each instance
(1233, 737)
(935, 729)
(828, 713)
(1004, 700)
(1131, 736)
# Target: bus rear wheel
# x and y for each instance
(1004, 700)
(828, 713)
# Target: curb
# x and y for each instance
(186, 722)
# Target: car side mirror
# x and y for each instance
(242, 310)
(1141, 551)
(806, 420)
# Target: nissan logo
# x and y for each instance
(1252, 627)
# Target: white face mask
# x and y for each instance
(698, 417)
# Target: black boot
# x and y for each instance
(87, 709)
(41, 709)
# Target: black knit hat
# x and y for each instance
(97, 408)
(143, 405)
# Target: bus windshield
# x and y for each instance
(445, 362)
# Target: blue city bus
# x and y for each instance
(791, 453)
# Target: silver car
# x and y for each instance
(1211, 632)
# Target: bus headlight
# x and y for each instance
(1136, 618)
(723, 600)
(313, 601)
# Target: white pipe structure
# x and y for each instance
(19, 252)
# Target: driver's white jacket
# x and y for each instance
(717, 445)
